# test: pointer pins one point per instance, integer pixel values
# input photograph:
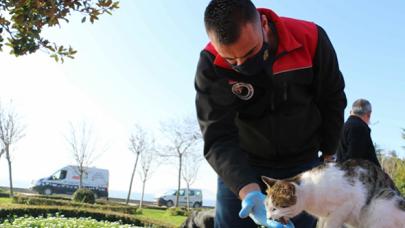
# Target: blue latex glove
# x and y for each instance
(275, 224)
(253, 206)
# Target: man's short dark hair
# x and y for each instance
(225, 18)
(361, 107)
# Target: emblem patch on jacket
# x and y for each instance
(243, 90)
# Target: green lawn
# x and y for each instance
(162, 215)
(4, 201)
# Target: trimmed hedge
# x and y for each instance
(63, 201)
(54, 197)
(36, 211)
(108, 202)
(33, 200)
(67, 198)
(154, 207)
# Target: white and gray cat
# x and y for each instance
(356, 193)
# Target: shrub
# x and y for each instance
(175, 211)
(83, 195)
(138, 211)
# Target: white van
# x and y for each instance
(169, 198)
(67, 180)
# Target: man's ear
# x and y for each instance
(269, 181)
(263, 20)
(264, 23)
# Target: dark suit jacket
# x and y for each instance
(355, 142)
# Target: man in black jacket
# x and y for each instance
(270, 96)
(356, 142)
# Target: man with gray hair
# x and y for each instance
(355, 142)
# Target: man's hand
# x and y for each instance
(253, 206)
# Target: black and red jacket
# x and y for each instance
(295, 111)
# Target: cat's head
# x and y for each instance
(282, 199)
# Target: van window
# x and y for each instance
(191, 193)
(60, 175)
(197, 192)
(170, 193)
(181, 192)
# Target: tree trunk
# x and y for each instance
(143, 191)
(1, 152)
(188, 196)
(179, 179)
(9, 170)
(132, 178)
(81, 177)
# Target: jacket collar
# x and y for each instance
(358, 119)
(286, 41)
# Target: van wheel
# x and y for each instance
(48, 191)
(169, 203)
(197, 205)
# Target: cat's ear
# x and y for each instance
(269, 181)
(295, 180)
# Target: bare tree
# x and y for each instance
(389, 163)
(191, 164)
(11, 130)
(83, 145)
(137, 144)
(182, 135)
(149, 163)
(379, 152)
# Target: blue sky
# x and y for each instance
(138, 65)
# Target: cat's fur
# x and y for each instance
(200, 219)
(356, 193)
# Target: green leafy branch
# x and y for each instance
(22, 22)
